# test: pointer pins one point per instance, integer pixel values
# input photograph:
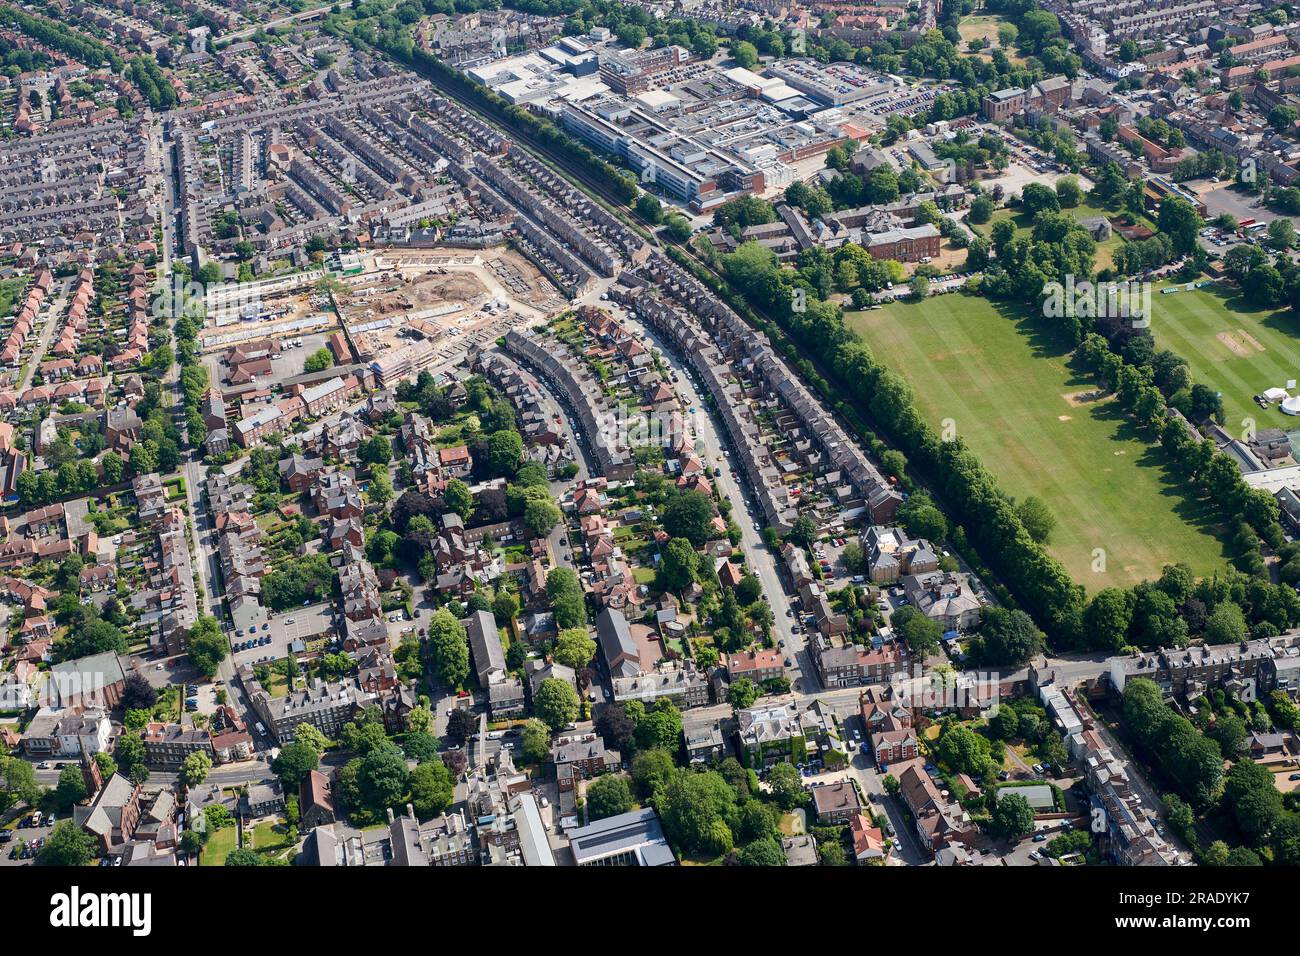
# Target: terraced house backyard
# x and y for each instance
(1008, 388)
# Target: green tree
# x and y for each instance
(208, 646)
(803, 532)
(832, 854)
(981, 210)
(651, 769)
(18, 779)
(741, 694)
(1008, 638)
(382, 777)
(1253, 799)
(677, 228)
(505, 453)
(556, 703)
(1179, 221)
(458, 498)
(762, 852)
(689, 516)
(677, 564)
(574, 648)
(380, 489)
(195, 768)
(71, 788)
(536, 743)
(608, 796)
(1037, 518)
(1012, 818)
(921, 634)
(312, 737)
(541, 516)
(449, 648)
(294, 762)
(1107, 618)
(432, 789)
(1068, 193)
(376, 450)
(785, 786)
(693, 808)
(965, 751)
(67, 845)
(660, 727)
(1226, 624)
(744, 54)
(565, 594)
(318, 361)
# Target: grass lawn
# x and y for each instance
(985, 27)
(1234, 348)
(1011, 392)
(270, 838)
(793, 823)
(219, 844)
(278, 686)
(1085, 210)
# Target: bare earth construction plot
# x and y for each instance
(1033, 420)
(1233, 348)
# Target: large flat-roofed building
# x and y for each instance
(678, 163)
(832, 84)
(629, 839)
(632, 71)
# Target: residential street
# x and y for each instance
(715, 454)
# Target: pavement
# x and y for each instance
(299, 623)
(26, 834)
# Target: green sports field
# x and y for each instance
(1232, 347)
(1011, 393)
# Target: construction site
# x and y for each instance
(431, 293)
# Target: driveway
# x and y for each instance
(871, 782)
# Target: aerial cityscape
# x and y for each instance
(563, 433)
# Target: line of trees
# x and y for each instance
(1149, 383)
(987, 518)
